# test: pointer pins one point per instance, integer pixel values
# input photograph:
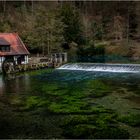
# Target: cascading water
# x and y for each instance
(133, 68)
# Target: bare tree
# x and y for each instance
(118, 27)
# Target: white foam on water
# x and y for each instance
(122, 68)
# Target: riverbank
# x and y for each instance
(29, 67)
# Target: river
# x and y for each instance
(70, 104)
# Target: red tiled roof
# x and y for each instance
(17, 47)
(4, 42)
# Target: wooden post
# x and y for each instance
(15, 59)
(65, 57)
(51, 58)
(60, 58)
(27, 58)
(55, 57)
(0, 64)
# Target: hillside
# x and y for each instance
(48, 26)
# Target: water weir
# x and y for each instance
(132, 68)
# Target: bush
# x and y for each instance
(91, 53)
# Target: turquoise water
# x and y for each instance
(70, 104)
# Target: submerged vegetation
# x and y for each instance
(59, 109)
(93, 126)
(67, 99)
(131, 119)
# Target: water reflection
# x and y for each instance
(13, 83)
(25, 83)
(1, 84)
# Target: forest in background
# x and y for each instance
(78, 27)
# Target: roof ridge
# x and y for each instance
(22, 43)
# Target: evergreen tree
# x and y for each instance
(47, 34)
(55, 31)
(73, 26)
(97, 30)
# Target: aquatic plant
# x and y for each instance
(97, 88)
(93, 126)
(64, 109)
(131, 119)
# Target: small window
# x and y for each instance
(5, 48)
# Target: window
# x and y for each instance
(5, 48)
